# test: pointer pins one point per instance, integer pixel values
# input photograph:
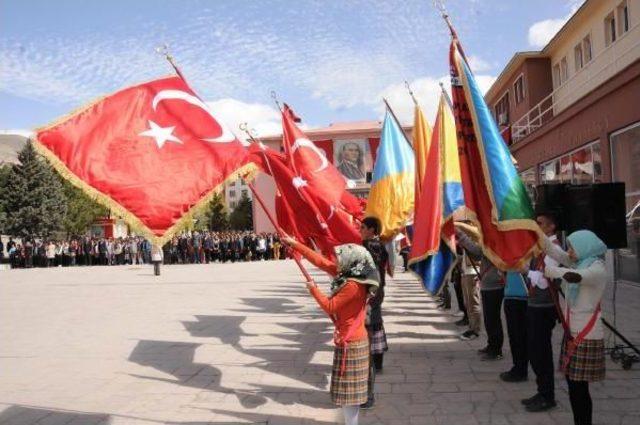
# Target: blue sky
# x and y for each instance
(331, 60)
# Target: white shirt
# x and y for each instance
(537, 277)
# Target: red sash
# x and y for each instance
(573, 343)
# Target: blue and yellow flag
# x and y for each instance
(392, 188)
(433, 250)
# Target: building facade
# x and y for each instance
(572, 110)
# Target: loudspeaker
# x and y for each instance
(599, 208)
(596, 207)
(551, 199)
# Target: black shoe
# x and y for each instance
(484, 350)
(491, 356)
(510, 376)
(368, 404)
(468, 335)
(542, 405)
(531, 400)
(462, 322)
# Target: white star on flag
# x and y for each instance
(161, 134)
(299, 182)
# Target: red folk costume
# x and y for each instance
(355, 274)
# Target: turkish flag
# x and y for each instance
(149, 152)
(297, 206)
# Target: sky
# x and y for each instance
(331, 60)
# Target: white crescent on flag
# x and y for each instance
(308, 143)
(226, 136)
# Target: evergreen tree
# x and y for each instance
(81, 210)
(5, 169)
(32, 199)
(242, 216)
(217, 216)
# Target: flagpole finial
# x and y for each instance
(445, 94)
(244, 127)
(415, 101)
(274, 96)
(439, 4)
(166, 52)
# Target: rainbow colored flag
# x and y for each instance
(391, 196)
(495, 197)
(433, 250)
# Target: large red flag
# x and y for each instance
(298, 211)
(151, 153)
(310, 163)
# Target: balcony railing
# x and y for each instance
(603, 66)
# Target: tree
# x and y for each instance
(5, 169)
(81, 210)
(216, 215)
(242, 216)
(33, 199)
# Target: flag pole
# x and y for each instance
(395, 118)
(415, 101)
(274, 96)
(164, 51)
(281, 232)
(304, 271)
(446, 95)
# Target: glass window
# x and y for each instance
(566, 169)
(502, 110)
(586, 49)
(582, 166)
(625, 167)
(518, 89)
(597, 162)
(529, 179)
(549, 172)
(610, 29)
(577, 53)
(556, 76)
(564, 70)
(623, 17)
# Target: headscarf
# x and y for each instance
(588, 248)
(355, 263)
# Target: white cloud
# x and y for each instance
(427, 92)
(541, 32)
(262, 119)
(478, 64)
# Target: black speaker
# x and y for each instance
(551, 199)
(599, 208)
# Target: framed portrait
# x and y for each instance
(353, 159)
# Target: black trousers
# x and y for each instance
(540, 324)
(457, 287)
(581, 404)
(491, 308)
(515, 311)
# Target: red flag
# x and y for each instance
(298, 209)
(151, 153)
(325, 183)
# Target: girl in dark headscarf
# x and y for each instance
(355, 280)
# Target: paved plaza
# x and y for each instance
(245, 343)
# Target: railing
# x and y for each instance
(570, 91)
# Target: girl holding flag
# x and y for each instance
(355, 280)
(584, 280)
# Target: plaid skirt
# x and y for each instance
(378, 341)
(587, 362)
(349, 388)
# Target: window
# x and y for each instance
(580, 166)
(518, 89)
(529, 179)
(586, 49)
(502, 110)
(564, 70)
(623, 17)
(556, 76)
(577, 53)
(609, 29)
(232, 194)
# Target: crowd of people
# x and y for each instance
(187, 248)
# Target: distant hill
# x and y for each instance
(11, 142)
